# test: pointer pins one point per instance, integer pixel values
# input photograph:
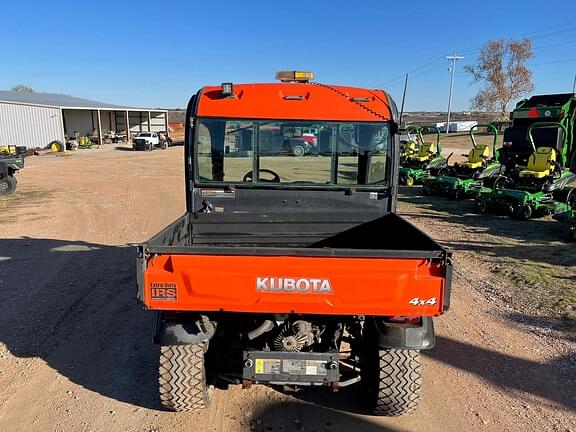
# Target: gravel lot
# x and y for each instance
(75, 345)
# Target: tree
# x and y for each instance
(501, 67)
(21, 88)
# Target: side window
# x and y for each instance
(362, 153)
(204, 153)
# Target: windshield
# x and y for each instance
(144, 134)
(289, 152)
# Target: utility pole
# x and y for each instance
(453, 57)
(574, 85)
(403, 99)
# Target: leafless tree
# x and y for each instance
(21, 88)
(501, 67)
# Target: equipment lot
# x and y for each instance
(75, 345)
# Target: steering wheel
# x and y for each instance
(250, 175)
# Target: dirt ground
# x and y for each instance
(75, 346)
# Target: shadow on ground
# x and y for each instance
(73, 304)
(565, 325)
(536, 240)
(305, 417)
(553, 381)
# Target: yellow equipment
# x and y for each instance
(541, 163)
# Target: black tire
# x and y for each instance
(7, 185)
(182, 378)
(298, 150)
(392, 381)
(522, 212)
(480, 206)
(568, 232)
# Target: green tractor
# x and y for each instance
(541, 187)
(427, 160)
(463, 179)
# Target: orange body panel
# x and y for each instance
(280, 101)
(309, 285)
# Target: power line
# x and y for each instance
(559, 28)
(553, 62)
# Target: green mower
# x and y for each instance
(464, 179)
(542, 187)
(408, 144)
(428, 159)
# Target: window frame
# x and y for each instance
(385, 184)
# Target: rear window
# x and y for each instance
(288, 152)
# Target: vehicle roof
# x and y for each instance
(316, 102)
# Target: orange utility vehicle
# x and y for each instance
(292, 269)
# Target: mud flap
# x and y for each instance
(406, 336)
(183, 332)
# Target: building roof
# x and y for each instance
(60, 101)
(296, 101)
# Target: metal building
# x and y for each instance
(34, 120)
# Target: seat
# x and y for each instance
(540, 163)
(425, 152)
(409, 149)
(476, 157)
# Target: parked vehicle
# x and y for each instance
(425, 161)
(538, 158)
(464, 179)
(289, 270)
(146, 141)
(9, 166)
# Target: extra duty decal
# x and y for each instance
(164, 291)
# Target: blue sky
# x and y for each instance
(158, 53)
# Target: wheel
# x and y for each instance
(443, 172)
(7, 185)
(409, 181)
(522, 212)
(568, 232)
(480, 206)
(182, 378)
(392, 381)
(457, 194)
(57, 146)
(571, 198)
(298, 150)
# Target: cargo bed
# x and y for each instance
(384, 266)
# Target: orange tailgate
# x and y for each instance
(306, 285)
